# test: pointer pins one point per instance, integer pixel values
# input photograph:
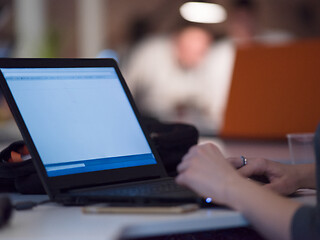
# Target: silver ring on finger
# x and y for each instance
(244, 161)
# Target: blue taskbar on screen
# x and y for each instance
(59, 169)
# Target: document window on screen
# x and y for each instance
(80, 119)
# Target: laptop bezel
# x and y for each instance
(61, 184)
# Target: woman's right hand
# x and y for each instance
(283, 178)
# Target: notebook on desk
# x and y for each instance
(84, 133)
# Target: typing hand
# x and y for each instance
(206, 171)
(284, 179)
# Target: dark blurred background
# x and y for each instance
(84, 28)
(61, 27)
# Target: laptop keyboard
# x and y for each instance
(152, 188)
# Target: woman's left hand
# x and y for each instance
(206, 171)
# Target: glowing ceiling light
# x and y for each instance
(201, 12)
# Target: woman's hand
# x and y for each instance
(284, 178)
(205, 170)
(208, 173)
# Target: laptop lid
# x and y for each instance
(79, 122)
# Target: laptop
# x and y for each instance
(274, 91)
(84, 133)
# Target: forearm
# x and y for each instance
(268, 212)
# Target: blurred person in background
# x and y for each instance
(8, 128)
(6, 42)
(174, 78)
(243, 29)
(186, 76)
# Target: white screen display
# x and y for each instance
(79, 119)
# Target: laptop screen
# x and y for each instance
(79, 119)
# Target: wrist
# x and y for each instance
(233, 189)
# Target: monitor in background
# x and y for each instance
(274, 91)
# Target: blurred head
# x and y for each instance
(241, 25)
(191, 44)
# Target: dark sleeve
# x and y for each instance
(306, 220)
(305, 224)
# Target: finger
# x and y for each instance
(184, 179)
(185, 164)
(194, 154)
(276, 187)
(214, 149)
(249, 170)
(180, 179)
(279, 188)
(188, 180)
(235, 162)
(189, 155)
(254, 166)
(193, 149)
(199, 151)
(181, 167)
(272, 186)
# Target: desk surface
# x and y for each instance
(52, 221)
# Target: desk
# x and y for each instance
(51, 221)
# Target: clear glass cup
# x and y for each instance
(301, 147)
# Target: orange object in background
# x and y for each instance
(274, 91)
(17, 156)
